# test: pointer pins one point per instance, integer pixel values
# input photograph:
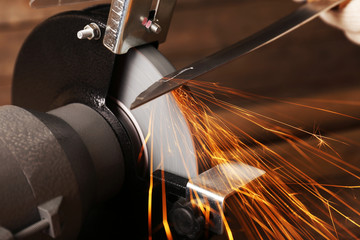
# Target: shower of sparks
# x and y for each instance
(286, 203)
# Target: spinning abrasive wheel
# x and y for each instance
(78, 159)
(70, 79)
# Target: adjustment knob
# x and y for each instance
(187, 219)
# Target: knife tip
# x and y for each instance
(134, 105)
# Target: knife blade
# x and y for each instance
(299, 17)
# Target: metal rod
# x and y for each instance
(31, 230)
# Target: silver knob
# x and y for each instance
(90, 31)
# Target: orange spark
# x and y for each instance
(271, 207)
(151, 184)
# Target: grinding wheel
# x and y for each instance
(170, 144)
(53, 72)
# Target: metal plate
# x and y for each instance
(51, 3)
(125, 27)
(213, 186)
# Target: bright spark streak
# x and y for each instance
(268, 207)
(274, 207)
(163, 196)
(151, 185)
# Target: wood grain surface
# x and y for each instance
(314, 66)
(314, 62)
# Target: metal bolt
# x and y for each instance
(90, 31)
(151, 25)
(187, 219)
(155, 28)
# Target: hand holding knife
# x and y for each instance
(346, 18)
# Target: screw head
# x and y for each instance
(151, 25)
(155, 28)
(90, 31)
(187, 219)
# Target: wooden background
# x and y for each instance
(316, 61)
(316, 65)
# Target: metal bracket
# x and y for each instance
(49, 211)
(50, 222)
(50, 3)
(133, 23)
(212, 187)
(5, 234)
